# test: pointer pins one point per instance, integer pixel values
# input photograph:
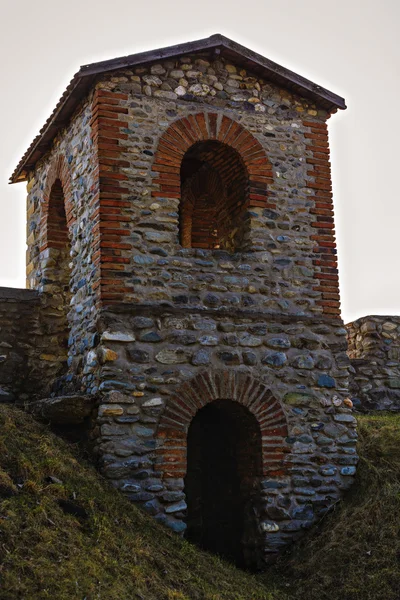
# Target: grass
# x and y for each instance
(109, 551)
(64, 533)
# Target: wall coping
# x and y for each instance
(374, 317)
(22, 295)
(132, 308)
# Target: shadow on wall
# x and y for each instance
(19, 343)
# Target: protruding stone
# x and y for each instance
(303, 362)
(107, 355)
(251, 341)
(327, 381)
(142, 323)
(201, 357)
(152, 80)
(117, 336)
(275, 359)
(138, 355)
(176, 507)
(300, 399)
(153, 402)
(269, 526)
(278, 342)
(110, 410)
(171, 357)
(63, 409)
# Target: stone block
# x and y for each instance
(63, 410)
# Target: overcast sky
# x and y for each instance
(350, 47)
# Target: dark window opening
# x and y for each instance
(224, 467)
(214, 190)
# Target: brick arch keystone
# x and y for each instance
(185, 132)
(171, 452)
(58, 170)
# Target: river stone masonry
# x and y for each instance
(19, 346)
(181, 232)
(374, 351)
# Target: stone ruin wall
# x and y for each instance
(374, 351)
(156, 329)
(197, 315)
(289, 231)
(19, 316)
(309, 448)
(27, 360)
(72, 161)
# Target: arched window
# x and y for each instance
(214, 190)
(218, 172)
(57, 230)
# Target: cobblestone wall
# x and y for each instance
(159, 330)
(374, 351)
(19, 312)
(65, 271)
(160, 368)
(146, 116)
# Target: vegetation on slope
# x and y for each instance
(64, 533)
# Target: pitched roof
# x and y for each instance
(86, 76)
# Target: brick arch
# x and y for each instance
(58, 171)
(220, 385)
(185, 132)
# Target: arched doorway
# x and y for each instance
(56, 278)
(214, 191)
(224, 464)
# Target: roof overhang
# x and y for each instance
(82, 82)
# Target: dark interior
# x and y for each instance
(224, 464)
(214, 186)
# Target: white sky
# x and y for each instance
(349, 46)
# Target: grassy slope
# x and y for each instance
(116, 552)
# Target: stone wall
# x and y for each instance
(122, 204)
(19, 313)
(374, 351)
(61, 247)
(147, 118)
(159, 330)
(160, 367)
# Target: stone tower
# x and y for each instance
(181, 241)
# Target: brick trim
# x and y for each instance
(58, 170)
(206, 387)
(185, 132)
(325, 260)
(109, 245)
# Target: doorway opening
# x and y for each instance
(224, 467)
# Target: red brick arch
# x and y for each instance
(185, 132)
(220, 385)
(58, 171)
